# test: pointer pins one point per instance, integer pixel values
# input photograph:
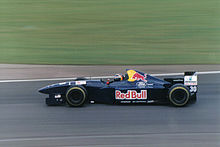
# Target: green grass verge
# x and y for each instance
(110, 31)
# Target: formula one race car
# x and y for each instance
(133, 87)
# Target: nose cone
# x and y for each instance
(42, 90)
(47, 89)
(55, 88)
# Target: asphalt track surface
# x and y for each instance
(26, 121)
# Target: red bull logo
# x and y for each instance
(137, 76)
(131, 94)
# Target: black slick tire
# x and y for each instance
(76, 96)
(193, 98)
(179, 95)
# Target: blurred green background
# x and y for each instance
(110, 31)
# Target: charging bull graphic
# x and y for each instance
(138, 77)
(134, 75)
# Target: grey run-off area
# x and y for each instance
(27, 122)
(22, 71)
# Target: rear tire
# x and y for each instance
(76, 96)
(179, 95)
(194, 98)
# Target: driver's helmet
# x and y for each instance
(118, 77)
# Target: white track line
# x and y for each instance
(62, 79)
(179, 74)
(105, 136)
(52, 79)
(208, 72)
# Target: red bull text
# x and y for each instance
(130, 95)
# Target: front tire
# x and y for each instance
(179, 95)
(76, 96)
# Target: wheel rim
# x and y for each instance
(179, 96)
(75, 96)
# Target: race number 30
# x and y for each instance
(193, 88)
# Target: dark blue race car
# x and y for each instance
(133, 87)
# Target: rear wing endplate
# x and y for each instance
(190, 78)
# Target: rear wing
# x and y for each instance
(190, 78)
